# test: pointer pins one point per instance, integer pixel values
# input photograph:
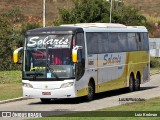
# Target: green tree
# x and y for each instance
(12, 37)
(88, 11)
(14, 15)
(6, 44)
(128, 16)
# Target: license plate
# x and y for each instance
(46, 93)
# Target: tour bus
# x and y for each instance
(82, 59)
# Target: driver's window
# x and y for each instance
(80, 66)
(80, 42)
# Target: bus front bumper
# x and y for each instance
(66, 92)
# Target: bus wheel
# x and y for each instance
(45, 100)
(91, 92)
(131, 83)
(137, 83)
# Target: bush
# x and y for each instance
(154, 63)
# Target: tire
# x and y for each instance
(131, 83)
(45, 100)
(137, 84)
(91, 92)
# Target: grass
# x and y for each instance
(147, 105)
(155, 65)
(150, 105)
(10, 77)
(98, 118)
(10, 91)
(154, 70)
(10, 84)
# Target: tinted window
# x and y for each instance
(123, 42)
(92, 43)
(103, 43)
(97, 43)
(80, 66)
(139, 41)
(113, 42)
(80, 42)
(132, 42)
(116, 42)
(145, 41)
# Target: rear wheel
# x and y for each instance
(91, 91)
(137, 83)
(131, 83)
(45, 100)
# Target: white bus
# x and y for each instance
(76, 60)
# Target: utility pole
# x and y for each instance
(44, 13)
(111, 11)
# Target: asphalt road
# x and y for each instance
(148, 90)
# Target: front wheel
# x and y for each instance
(91, 91)
(45, 100)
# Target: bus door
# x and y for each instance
(93, 67)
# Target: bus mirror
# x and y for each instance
(75, 53)
(15, 54)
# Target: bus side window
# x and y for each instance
(92, 43)
(123, 42)
(113, 42)
(80, 42)
(80, 66)
(144, 38)
(139, 41)
(103, 43)
(132, 43)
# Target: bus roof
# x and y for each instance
(107, 27)
(55, 29)
(87, 27)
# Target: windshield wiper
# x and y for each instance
(52, 71)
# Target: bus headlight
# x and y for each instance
(27, 85)
(69, 84)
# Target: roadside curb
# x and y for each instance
(13, 100)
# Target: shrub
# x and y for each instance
(154, 63)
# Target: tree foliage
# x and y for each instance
(6, 43)
(11, 38)
(90, 11)
(14, 15)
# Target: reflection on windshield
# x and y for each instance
(58, 60)
(60, 56)
(35, 58)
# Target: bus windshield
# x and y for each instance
(48, 57)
